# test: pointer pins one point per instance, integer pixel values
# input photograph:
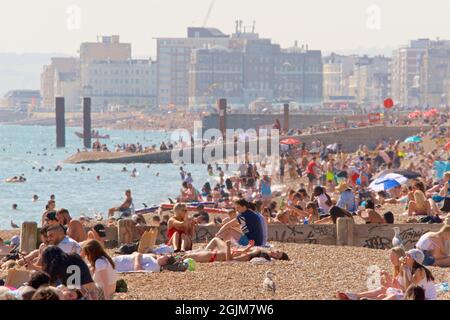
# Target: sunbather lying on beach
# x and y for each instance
(219, 250)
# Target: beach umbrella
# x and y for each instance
(290, 141)
(408, 174)
(413, 139)
(387, 182)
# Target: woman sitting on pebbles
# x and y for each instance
(391, 285)
(180, 229)
(219, 250)
(418, 204)
(410, 272)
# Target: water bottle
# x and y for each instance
(305, 221)
(442, 287)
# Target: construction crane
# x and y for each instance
(208, 14)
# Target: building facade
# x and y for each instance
(255, 70)
(174, 59)
(23, 100)
(370, 82)
(405, 72)
(119, 83)
(435, 74)
(59, 70)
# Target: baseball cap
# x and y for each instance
(417, 255)
(100, 229)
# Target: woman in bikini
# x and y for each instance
(180, 229)
(219, 250)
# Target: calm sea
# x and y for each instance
(25, 147)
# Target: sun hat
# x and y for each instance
(342, 187)
(417, 255)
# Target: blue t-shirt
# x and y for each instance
(251, 226)
(264, 228)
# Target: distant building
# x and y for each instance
(216, 72)
(336, 72)
(435, 74)
(22, 99)
(54, 73)
(174, 58)
(370, 82)
(119, 83)
(405, 72)
(252, 68)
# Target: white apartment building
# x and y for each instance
(119, 83)
(405, 72)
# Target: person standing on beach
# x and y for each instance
(311, 172)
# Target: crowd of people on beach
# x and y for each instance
(308, 184)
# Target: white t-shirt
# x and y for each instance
(68, 245)
(425, 243)
(126, 263)
(321, 200)
(102, 264)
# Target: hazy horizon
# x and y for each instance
(354, 26)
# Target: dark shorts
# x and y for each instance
(311, 177)
(429, 259)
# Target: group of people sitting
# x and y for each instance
(410, 279)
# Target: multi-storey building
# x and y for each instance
(435, 74)
(405, 72)
(119, 83)
(371, 83)
(22, 99)
(54, 73)
(254, 70)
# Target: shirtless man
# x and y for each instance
(75, 229)
(125, 207)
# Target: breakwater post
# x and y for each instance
(28, 237)
(222, 105)
(286, 116)
(87, 133)
(60, 122)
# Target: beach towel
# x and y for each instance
(441, 167)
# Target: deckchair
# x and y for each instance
(148, 241)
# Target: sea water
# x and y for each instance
(25, 147)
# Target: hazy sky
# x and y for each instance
(41, 25)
